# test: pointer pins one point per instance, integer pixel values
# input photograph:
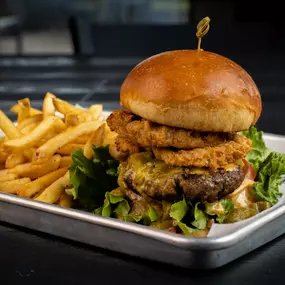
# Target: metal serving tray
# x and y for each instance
(145, 242)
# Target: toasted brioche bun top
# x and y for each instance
(192, 89)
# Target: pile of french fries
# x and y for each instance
(35, 153)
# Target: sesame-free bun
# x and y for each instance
(192, 89)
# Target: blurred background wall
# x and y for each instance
(236, 25)
(70, 47)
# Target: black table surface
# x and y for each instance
(36, 258)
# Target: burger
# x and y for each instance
(183, 152)
(179, 135)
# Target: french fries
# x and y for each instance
(92, 114)
(65, 200)
(65, 108)
(65, 161)
(110, 138)
(41, 183)
(26, 130)
(29, 153)
(9, 177)
(35, 135)
(30, 120)
(15, 159)
(16, 109)
(68, 149)
(48, 106)
(36, 153)
(13, 186)
(82, 139)
(8, 128)
(34, 171)
(55, 190)
(3, 155)
(53, 145)
(24, 110)
(96, 139)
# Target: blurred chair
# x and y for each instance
(132, 28)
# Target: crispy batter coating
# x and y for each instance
(212, 157)
(148, 134)
(126, 146)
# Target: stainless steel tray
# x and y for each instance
(144, 242)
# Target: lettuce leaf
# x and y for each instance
(187, 231)
(269, 178)
(270, 167)
(181, 213)
(113, 205)
(178, 210)
(146, 218)
(200, 217)
(92, 178)
(259, 150)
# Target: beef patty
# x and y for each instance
(154, 178)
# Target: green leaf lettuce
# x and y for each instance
(91, 179)
(269, 178)
(259, 150)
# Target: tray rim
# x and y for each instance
(179, 241)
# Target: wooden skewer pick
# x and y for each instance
(202, 29)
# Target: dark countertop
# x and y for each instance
(35, 258)
(41, 259)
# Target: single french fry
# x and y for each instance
(65, 161)
(34, 112)
(8, 128)
(93, 113)
(82, 139)
(16, 108)
(34, 171)
(30, 120)
(110, 138)
(34, 136)
(53, 193)
(96, 110)
(48, 106)
(65, 200)
(24, 111)
(68, 149)
(96, 139)
(45, 151)
(41, 183)
(13, 186)
(15, 159)
(65, 108)
(9, 177)
(59, 125)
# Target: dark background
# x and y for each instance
(81, 51)
(108, 37)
